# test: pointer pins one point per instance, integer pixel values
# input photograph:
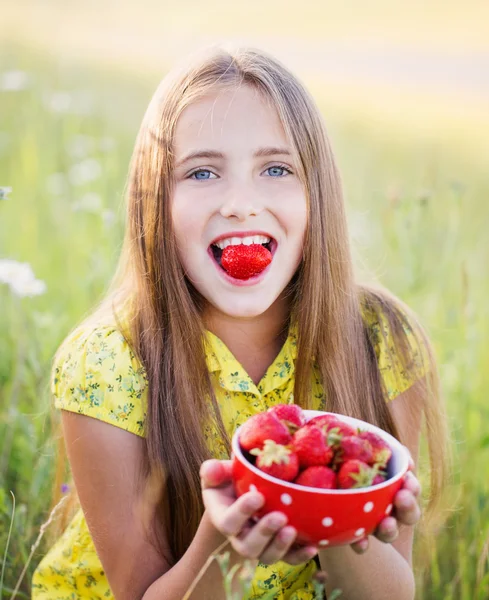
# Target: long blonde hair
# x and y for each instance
(166, 330)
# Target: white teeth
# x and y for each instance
(247, 241)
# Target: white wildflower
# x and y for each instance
(20, 278)
(31, 287)
(85, 171)
(4, 192)
(13, 81)
(90, 202)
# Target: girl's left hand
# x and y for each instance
(407, 512)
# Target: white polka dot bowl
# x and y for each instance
(321, 516)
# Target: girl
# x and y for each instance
(232, 150)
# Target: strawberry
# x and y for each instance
(242, 262)
(333, 428)
(378, 479)
(319, 477)
(277, 460)
(261, 427)
(355, 473)
(381, 451)
(324, 421)
(310, 445)
(352, 446)
(291, 415)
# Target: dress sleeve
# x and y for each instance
(95, 373)
(398, 371)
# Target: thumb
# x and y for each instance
(214, 473)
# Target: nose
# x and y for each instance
(240, 204)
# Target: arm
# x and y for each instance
(105, 461)
(385, 570)
(120, 514)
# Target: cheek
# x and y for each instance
(188, 220)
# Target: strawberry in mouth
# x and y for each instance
(242, 261)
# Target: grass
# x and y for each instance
(417, 209)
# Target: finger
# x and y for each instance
(252, 543)
(283, 548)
(387, 531)
(412, 484)
(407, 508)
(279, 546)
(215, 472)
(361, 546)
(301, 555)
(230, 520)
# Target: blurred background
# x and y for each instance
(404, 90)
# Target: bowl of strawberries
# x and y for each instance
(335, 477)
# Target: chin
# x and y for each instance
(242, 307)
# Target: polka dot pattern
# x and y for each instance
(360, 532)
(286, 499)
(388, 510)
(368, 507)
(327, 521)
(323, 542)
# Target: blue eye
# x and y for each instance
(278, 168)
(200, 172)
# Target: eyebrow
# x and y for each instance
(266, 151)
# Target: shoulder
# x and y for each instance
(95, 372)
(400, 343)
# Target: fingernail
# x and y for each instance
(287, 534)
(278, 521)
(404, 502)
(255, 502)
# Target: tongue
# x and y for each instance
(242, 262)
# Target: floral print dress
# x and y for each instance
(97, 374)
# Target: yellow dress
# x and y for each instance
(98, 375)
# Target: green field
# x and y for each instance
(418, 209)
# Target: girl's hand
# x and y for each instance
(268, 539)
(407, 512)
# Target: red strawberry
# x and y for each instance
(261, 427)
(324, 421)
(378, 479)
(277, 460)
(381, 451)
(242, 262)
(329, 423)
(355, 474)
(318, 477)
(310, 445)
(333, 428)
(352, 446)
(291, 415)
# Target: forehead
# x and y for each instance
(229, 117)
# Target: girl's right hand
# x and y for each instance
(268, 539)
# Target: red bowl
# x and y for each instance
(325, 517)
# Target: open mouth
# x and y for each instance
(217, 252)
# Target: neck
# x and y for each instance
(250, 336)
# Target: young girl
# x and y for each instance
(232, 150)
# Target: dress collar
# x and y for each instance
(232, 375)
